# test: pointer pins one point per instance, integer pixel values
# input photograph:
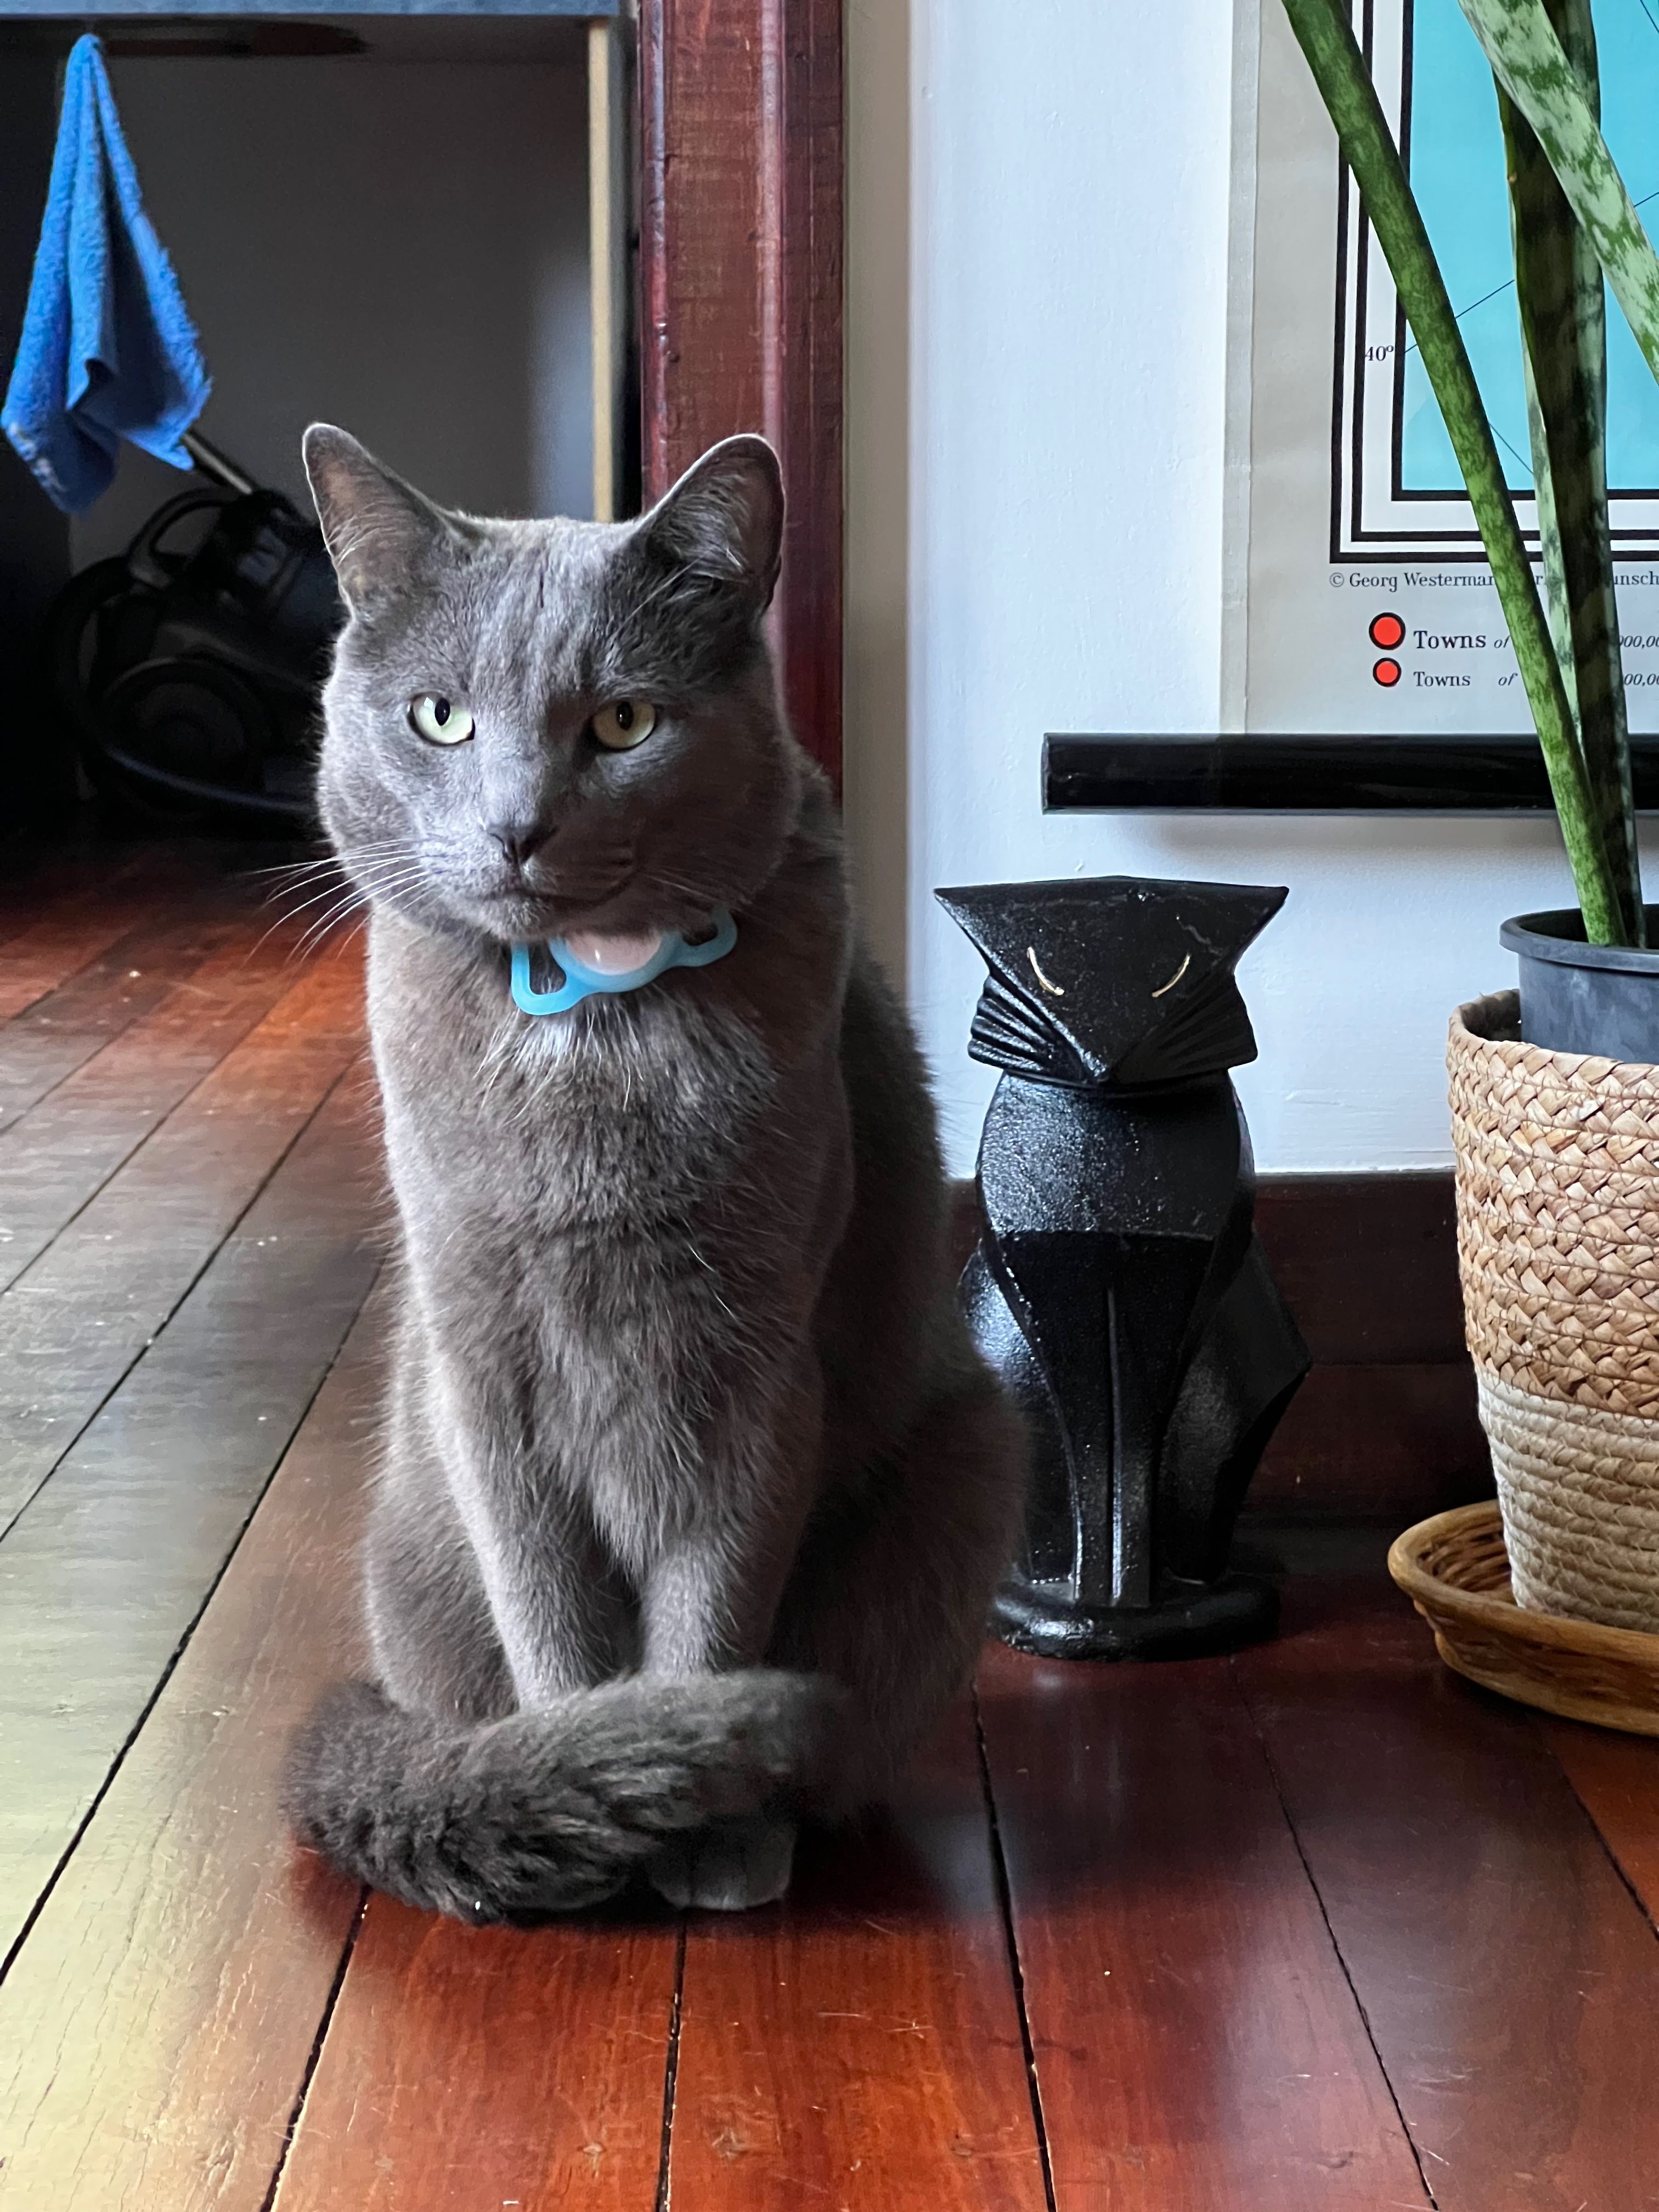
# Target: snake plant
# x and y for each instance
(1572, 222)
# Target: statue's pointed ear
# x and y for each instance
(724, 518)
(378, 529)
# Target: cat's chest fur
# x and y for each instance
(603, 1211)
(606, 1121)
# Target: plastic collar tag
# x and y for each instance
(584, 982)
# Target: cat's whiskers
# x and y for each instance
(305, 876)
(319, 929)
(289, 913)
(343, 897)
(291, 873)
(355, 896)
(302, 906)
(390, 875)
(697, 895)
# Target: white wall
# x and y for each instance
(400, 246)
(1069, 209)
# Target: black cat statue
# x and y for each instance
(1118, 1286)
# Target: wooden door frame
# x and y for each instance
(741, 259)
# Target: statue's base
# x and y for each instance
(1192, 1620)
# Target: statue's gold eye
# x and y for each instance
(441, 721)
(624, 723)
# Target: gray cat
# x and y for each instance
(695, 1491)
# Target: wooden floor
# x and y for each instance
(1319, 1926)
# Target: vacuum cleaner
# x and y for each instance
(188, 668)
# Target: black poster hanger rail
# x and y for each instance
(1256, 773)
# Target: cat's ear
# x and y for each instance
(377, 527)
(724, 518)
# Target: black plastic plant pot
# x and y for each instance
(1599, 999)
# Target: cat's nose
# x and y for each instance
(519, 840)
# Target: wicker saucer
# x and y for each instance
(1454, 1571)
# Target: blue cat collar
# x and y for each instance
(583, 982)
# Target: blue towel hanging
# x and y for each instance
(108, 349)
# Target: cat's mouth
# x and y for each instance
(522, 916)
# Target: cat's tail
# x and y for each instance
(549, 1810)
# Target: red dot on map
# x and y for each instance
(1386, 673)
(1388, 631)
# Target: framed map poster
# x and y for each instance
(1360, 601)
(1366, 663)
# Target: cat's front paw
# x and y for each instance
(727, 1868)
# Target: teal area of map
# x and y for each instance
(1457, 174)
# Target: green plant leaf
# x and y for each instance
(1325, 34)
(1563, 325)
(1527, 59)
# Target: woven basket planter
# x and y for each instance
(1558, 1236)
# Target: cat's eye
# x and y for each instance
(624, 723)
(441, 721)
